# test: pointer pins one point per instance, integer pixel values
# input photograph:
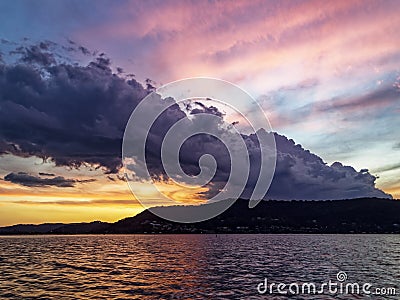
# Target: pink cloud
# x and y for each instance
(244, 40)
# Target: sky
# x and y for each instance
(326, 73)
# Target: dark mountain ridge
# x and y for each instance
(363, 215)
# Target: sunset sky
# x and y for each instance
(327, 74)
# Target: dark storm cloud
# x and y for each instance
(301, 174)
(201, 108)
(75, 115)
(36, 54)
(26, 179)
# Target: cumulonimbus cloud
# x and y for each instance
(75, 115)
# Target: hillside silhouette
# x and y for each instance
(363, 215)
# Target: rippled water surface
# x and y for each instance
(190, 266)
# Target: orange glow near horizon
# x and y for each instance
(31, 206)
(102, 200)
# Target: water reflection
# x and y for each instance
(189, 266)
